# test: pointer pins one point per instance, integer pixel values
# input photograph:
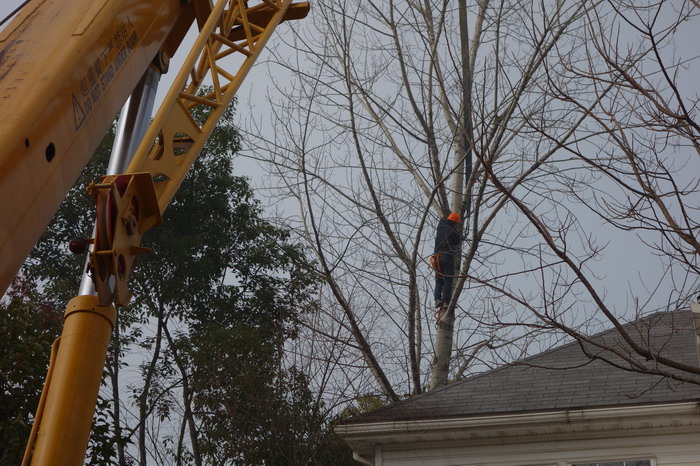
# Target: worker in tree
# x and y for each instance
(447, 240)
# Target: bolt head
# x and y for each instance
(78, 245)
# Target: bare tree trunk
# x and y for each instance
(186, 399)
(180, 442)
(462, 162)
(461, 184)
(114, 375)
(144, 397)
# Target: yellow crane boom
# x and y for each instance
(66, 68)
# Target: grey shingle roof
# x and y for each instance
(565, 378)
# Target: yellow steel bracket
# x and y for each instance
(232, 35)
(126, 208)
(229, 42)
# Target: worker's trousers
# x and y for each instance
(444, 276)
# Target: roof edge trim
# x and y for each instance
(375, 430)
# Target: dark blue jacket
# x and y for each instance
(447, 237)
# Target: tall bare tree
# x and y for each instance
(636, 185)
(525, 117)
(390, 113)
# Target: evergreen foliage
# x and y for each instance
(26, 334)
(214, 304)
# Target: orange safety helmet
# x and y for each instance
(454, 216)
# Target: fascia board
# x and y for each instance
(516, 424)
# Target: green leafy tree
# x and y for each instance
(26, 334)
(213, 307)
(238, 284)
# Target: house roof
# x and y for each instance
(565, 378)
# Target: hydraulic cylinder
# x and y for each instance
(64, 427)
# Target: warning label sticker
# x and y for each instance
(102, 71)
(78, 113)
